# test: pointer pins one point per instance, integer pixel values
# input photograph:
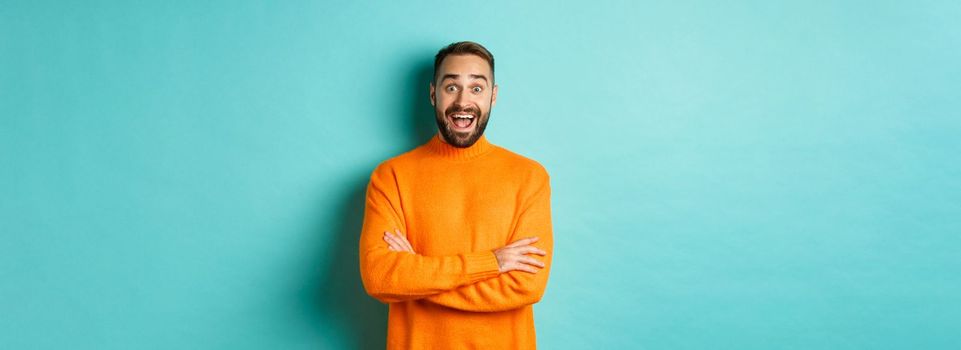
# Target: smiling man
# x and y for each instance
(457, 235)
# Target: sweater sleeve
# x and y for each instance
(513, 289)
(391, 276)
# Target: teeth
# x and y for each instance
(462, 116)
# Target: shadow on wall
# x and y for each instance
(421, 121)
(342, 298)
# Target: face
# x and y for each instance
(463, 95)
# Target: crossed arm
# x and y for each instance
(509, 258)
(486, 281)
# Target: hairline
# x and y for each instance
(433, 78)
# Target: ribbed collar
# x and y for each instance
(445, 150)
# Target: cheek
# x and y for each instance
(484, 103)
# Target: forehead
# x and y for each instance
(464, 65)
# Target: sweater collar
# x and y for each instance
(437, 146)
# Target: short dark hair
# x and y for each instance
(463, 48)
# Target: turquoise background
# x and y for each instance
(750, 175)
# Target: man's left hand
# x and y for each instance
(398, 242)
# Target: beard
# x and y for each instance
(461, 139)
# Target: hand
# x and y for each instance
(513, 256)
(398, 242)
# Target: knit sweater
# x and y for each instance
(456, 206)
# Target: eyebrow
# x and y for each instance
(472, 76)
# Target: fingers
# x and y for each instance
(531, 250)
(397, 242)
(392, 242)
(403, 240)
(525, 250)
(522, 267)
(531, 261)
(522, 242)
(526, 264)
(404, 244)
(512, 259)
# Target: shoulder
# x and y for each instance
(388, 168)
(523, 165)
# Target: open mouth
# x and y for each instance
(462, 122)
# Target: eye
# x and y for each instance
(477, 89)
(451, 88)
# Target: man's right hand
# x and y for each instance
(514, 256)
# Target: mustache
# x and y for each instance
(462, 110)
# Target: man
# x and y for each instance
(457, 234)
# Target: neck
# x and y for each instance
(439, 146)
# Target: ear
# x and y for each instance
(432, 101)
(494, 96)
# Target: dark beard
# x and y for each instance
(452, 137)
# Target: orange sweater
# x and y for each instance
(456, 205)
